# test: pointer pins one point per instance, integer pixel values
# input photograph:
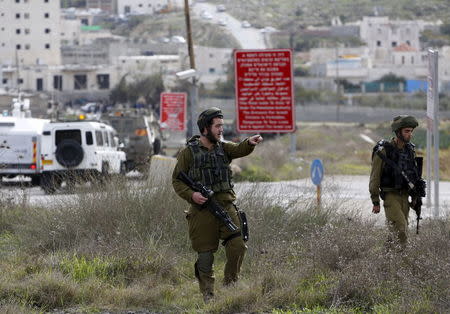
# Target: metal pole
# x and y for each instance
(436, 134)
(293, 143)
(429, 139)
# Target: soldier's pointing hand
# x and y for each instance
(255, 139)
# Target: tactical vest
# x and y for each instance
(405, 159)
(211, 168)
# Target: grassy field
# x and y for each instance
(121, 250)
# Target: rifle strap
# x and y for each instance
(231, 237)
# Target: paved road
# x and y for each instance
(248, 38)
(348, 193)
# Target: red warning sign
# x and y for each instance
(264, 90)
(173, 111)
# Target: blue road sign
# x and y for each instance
(316, 171)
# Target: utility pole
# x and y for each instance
(193, 90)
(338, 87)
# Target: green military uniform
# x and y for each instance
(205, 231)
(396, 204)
(387, 182)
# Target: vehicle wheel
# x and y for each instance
(156, 146)
(123, 168)
(35, 180)
(48, 183)
(104, 175)
(69, 153)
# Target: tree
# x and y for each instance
(148, 87)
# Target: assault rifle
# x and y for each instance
(211, 204)
(417, 192)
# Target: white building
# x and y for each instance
(29, 32)
(146, 7)
(211, 63)
(108, 6)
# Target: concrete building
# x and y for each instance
(108, 6)
(147, 7)
(29, 32)
(212, 63)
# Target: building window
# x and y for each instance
(27, 31)
(80, 81)
(39, 84)
(17, 1)
(46, 1)
(27, 46)
(47, 46)
(403, 59)
(212, 70)
(408, 43)
(394, 44)
(18, 47)
(47, 30)
(5, 81)
(46, 15)
(17, 15)
(20, 81)
(378, 43)
(103, 81)
(26, 15)
(412, 59)
(57, 82)
(18, 31)
(140, 5)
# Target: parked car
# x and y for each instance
(246, 24)
(221, 8)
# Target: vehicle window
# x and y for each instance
(111, 139)
(99, 138)
(89, 138)
(61, 135)
(105, 136)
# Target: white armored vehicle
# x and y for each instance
(79, 151)
(20, 138)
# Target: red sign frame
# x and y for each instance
(173, 111)
(264, 91)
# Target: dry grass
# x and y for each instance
(127, 249)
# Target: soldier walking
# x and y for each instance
(394, 168)
(206, 159)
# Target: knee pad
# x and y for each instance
(205, 261)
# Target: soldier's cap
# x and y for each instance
(404, 121)
(207, 115)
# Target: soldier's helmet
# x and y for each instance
(404, 121)
(205, 118)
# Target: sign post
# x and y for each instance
(433, 128)
(264, 91)
(317, 176)
(173, 111)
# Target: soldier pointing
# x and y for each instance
(206, 159)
